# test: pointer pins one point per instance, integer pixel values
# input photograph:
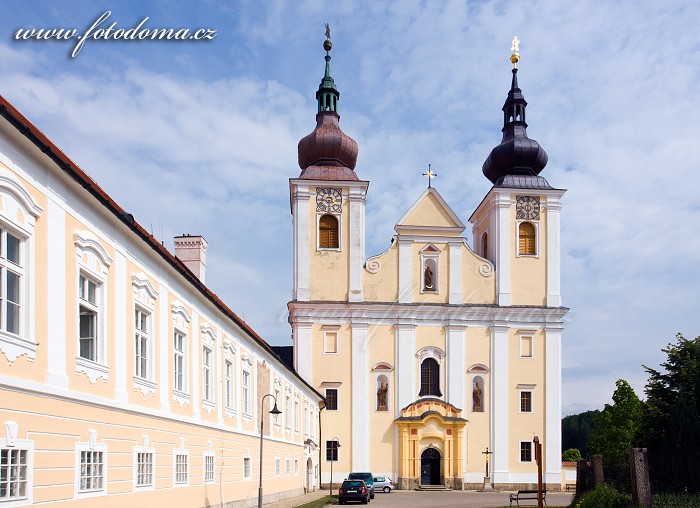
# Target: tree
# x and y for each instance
(571, 455)
(576, 431)
(618, 426)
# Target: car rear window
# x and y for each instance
(361, 476)
(353, 484)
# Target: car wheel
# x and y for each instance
(341, 501)
(365, 501)
(387, 490)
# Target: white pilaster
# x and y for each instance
(553, 252)
(456, 361)
(195, 368)
(164, 349)
(552, 443)
(503, 248)
(357, 244)
(405, 365)
(300, 207)
(57, 306)
(456, 296)
(302, 350)
(500, 438)
(124, 317)
(361, 397)
(405, 271)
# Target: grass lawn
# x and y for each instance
(320, 503)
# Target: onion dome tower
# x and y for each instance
(327, 153)
(518, 160)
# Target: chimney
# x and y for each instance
(192, 251)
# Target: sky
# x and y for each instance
(200, 137)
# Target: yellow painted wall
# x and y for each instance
(529, 273)
(477, 287)
(478, 347)
(383, 286)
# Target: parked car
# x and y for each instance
(353, 490)
(369, 481)
(384, 484)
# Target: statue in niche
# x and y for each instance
(428, 279)
(381, 396)
(477, 392)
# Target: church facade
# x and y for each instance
(438, 350)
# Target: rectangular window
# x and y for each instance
(330, 342)
(306, 421)
(246, 468)
(277, 397)
(331, 399)
(229, 383)
(179, 361)
(296, 466)
(332, 451)
(206, 373)
(277, 466)
(287, 412)
(526, 402)
(246, 392)
(87, 329)
(209, 468)
(91, 471)
(13, 474)
(141, 333)
(181, 468)
(289, 467)
(526, 346)
(296, 416)
(144, 469)
(525, 451)
(11, 273)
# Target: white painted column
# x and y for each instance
(357, 244)
(195, 369)
(56, 374)
(405, 271)
(503, 249)
(361, 397)
(300, 197)
(303, 351)
(123, 318)
(552, 440)
(405, 365)
(164, 349)
(500, 437)
(456, 296)
(456, 362)
(553, 252)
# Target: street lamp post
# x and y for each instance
(273, 411)
(334, 452)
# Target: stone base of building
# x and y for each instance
(502, 487)
(414, 483)
(267, 498)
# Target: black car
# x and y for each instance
(369, 481)
(353, 490)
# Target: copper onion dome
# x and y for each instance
(517, 154)
(328, 153)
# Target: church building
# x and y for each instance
(439, 349)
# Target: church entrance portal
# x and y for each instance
(430, 467)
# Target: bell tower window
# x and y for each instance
(527, 237)
(328, 232)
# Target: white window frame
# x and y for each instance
(177, 475)
(10, 444)
(327, 334)
(532, 452)
(207, 374)
(181, 369)
(246, 391)
(181, 319)
(230, 399)
(143, 331)
(209, 466)
(536, 224)
(526, 388)
(276, 419)
(296, 413)
(228, 384)
(288, 409)
(16, 202)
(90, 447)
(338, 217)
(288, 466)
(247, 471)
(144, 302)
(277, 465)
(139, 471)
(296, 466)
(337, 397)
(523, 337)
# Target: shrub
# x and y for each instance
(676, 501)
(603, 496)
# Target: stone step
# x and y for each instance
(433, 488)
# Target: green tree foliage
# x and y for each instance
(576, 431)
(571, 455)
(618, 426)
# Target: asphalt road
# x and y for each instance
(457, 499)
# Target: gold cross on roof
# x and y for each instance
(430, 174)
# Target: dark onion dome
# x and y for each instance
(517, 154)
(328, 153)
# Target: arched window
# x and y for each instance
(430, 378)
(328, 232)
(526, 236)
(485, 245)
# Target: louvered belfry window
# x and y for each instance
(526, 236)
(328, 232)
(430, 378)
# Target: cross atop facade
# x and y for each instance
(487, 453)
(430, 174)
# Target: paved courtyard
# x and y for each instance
(454, 499)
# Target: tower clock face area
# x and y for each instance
(329, 200)
(527, 207)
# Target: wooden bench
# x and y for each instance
(570, 487)
(523, 495)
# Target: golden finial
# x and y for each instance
(327, 44)
(515, 48)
